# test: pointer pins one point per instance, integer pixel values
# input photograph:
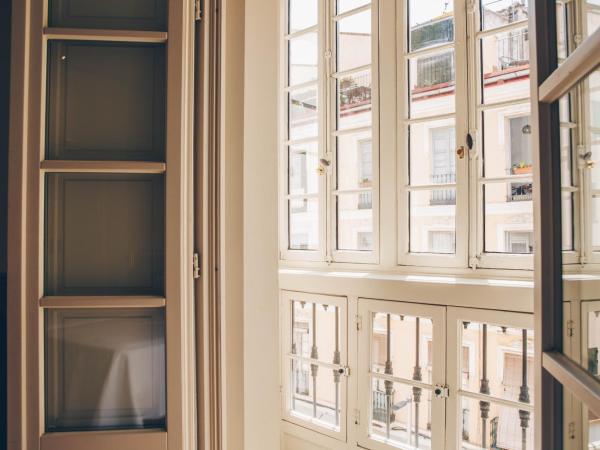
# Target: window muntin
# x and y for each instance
(314, 361)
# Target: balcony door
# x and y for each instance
(105, 299)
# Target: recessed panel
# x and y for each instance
(106, 101)
(105, 369)
(149, 15)
(104, 234)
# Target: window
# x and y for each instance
(331, 132)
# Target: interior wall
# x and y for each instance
(4, 90)
(261, 375)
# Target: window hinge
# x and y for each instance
(571, 430)
(570, 328)
(474, 262)
(357, 417)
(358, 320)
(197, 10)
(196, 265)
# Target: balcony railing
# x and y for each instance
(380, 407)
(443, 196)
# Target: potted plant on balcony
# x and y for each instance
(521, 168)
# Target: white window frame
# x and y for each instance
(366, 308)
(455, 318)
(286, 327)
(327, 194)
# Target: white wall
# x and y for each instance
(261, 375)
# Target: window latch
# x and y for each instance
(441, 391)
(469, 141)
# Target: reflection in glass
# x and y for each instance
(303, 223)
(433, 221)
(303, 59)
(348, 5)
(432, 153)
(303, 117)
(354, 161)
(355, 221)
(106, 101)
(497, 13)
(354, 41)
(508, 217)
(431, 23)
(302, 14)
(105, 369)
(432, 84)
(354, 108)
(303, 160)
(505, 66)
(104, 234)
(146, 15)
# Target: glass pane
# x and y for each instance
(508, 217)
(431, 23)
(104, 234)
(355, 221)
(505, 427)
(593, 16)
(109, 14)
(401, 415)
(303, 59)
(566, 157)
(433, 221)
(409, 336)
(105, 369)
(303, 14)
(348, 5)
(432, 152)
(495, 359)
(567, 221)
(505, 66)
(354, 161)
(432, 83)
(593, 342)
(316, 395)
(106, 101)
(507, 141)
(562, 31)
(303, 117)
(304, 224)
(303, 163)
(354, 100)
(322, 344)
(497, 13)
(591, 89)
(596, 223)
(354, 41)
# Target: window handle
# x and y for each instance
(323, 165)
(460, 152)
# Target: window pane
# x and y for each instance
(104, 234)
(401, 414)
(591, 89)
(304, 224)
(303, 117)
(497, 13)
(303, 163)
(433, 221)
(303, 14)
(354, 100)
(307, 317)
(354, 41)
(562, 31)
(508, 217)
(507, 141)
(431, 23)
(406, 334)
(109, 14)
(106, 101)
(355, 221)
(354, 161)
(596, 223)
(432, 153)
(432, 84)
(105, 369)
(348, 5)
(303, 59)
(505, 66)
(504, 427)
(567, 221)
